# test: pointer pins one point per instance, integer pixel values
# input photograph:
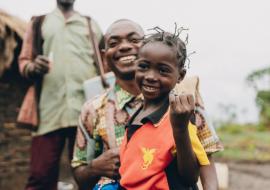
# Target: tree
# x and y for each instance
(260, 81)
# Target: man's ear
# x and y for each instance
(104, 61)
(182, 75)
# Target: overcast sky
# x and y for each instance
(231, 38)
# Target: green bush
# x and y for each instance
(244, 142)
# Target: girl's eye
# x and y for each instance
(164, 70)
(143, 66)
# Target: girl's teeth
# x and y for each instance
(150, 88)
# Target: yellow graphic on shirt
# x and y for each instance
(148, 156)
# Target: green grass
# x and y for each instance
(244, 142)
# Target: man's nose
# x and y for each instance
(125, 46)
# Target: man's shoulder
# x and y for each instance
(38, 17)
(98, 101)
(37, 21)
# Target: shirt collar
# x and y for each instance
(58, 13)
(122, 97)
(157, 116)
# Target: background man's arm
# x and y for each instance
(26, 51)
(29, 67)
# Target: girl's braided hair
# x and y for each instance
(171, 40)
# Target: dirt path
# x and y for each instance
(249, 176)
(242, 176)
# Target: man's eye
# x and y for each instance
(135, 40)
(112, 44)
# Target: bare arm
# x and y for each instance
(85, 177)
(28, 67)
(181, 108)
(26, 51)
(208, 175)
(107, 164)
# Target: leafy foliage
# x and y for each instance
(244, 143)
(260, 81)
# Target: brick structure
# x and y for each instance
(14, 142)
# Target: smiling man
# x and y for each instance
(105, 116)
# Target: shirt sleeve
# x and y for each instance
(81, 145)
(206, 132)
(27, 48)
(79, 152)
(197, 146)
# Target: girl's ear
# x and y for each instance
(104, 61)
(182, 75)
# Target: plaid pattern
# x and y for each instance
(206, 132)
(101, 122)
(119, 133)
(116, 100)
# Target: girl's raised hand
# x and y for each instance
(181, 108)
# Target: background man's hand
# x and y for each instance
(181, 108)
(39, 67)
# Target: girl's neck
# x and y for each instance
(154, 104)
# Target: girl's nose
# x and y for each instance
(151, 76)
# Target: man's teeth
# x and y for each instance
(127, 59)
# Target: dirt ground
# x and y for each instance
(242, 176)
(249, 176)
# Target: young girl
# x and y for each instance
(161, 149)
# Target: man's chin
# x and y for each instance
(128, 75)
(66, 3)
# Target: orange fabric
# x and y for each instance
(148, 153)
(145, 159)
